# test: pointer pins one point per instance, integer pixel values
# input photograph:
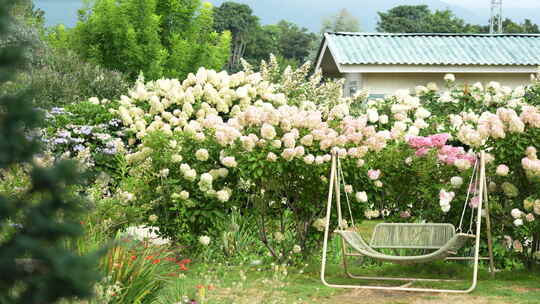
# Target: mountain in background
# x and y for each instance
(309, 13)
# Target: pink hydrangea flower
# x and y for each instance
(419, 142)
(439, 140)
(374, 174)
(474, 202)
(422, 151)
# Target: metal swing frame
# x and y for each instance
(334, 186)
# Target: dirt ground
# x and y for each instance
(393, 297)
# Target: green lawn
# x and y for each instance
(273, 284)
(252, 284)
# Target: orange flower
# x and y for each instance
(156, 261)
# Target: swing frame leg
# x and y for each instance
(333, 180)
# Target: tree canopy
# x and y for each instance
(343, 21)
(420, 19)
(239, 20)
(166, 38)
(511, 27)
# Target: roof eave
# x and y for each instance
(322, 50)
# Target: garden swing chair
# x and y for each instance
(442, 241)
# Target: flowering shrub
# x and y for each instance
(262, 143)
(501, 120)
(216, 141)
(88, 132)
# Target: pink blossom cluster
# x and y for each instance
(446, 154)
(432, 141)
(450, 154)
(530, 115)
(531, 163)
(497, 125)
(295, 133)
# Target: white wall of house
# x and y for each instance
(388, 83)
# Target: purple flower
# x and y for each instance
(63, 133)
(59, 141)
(114, 122)
(77, 140)
(109, 151)
(110, 148)
(86, 130)
(57, 111)
(102, 136)
(78, 148)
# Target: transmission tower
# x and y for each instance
(495, 23)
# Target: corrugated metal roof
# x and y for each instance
(442, 49)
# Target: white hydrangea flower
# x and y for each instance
(450, 77)
(202, 155)
(206, 178)
(164, 173)
(204, 240)
(361, 197)
(152, 218)
(516, 213)
(184, 195)
(456, 181)
(176, 158)
(223, 195)
(502, 170)
(229, 161)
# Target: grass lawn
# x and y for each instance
(277, 284)
(252, 284)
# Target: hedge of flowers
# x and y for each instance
(216, 141)
(503, 121)
(189, 152)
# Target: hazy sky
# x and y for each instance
(486, 3)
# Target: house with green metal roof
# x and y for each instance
(384, 62)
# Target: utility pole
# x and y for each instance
(496, 17)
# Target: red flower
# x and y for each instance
(133, 257)
(182, 267)
(199, 286)
(156, 261)
(149, 257)
(185, 261)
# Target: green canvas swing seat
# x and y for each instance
(441, 238)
